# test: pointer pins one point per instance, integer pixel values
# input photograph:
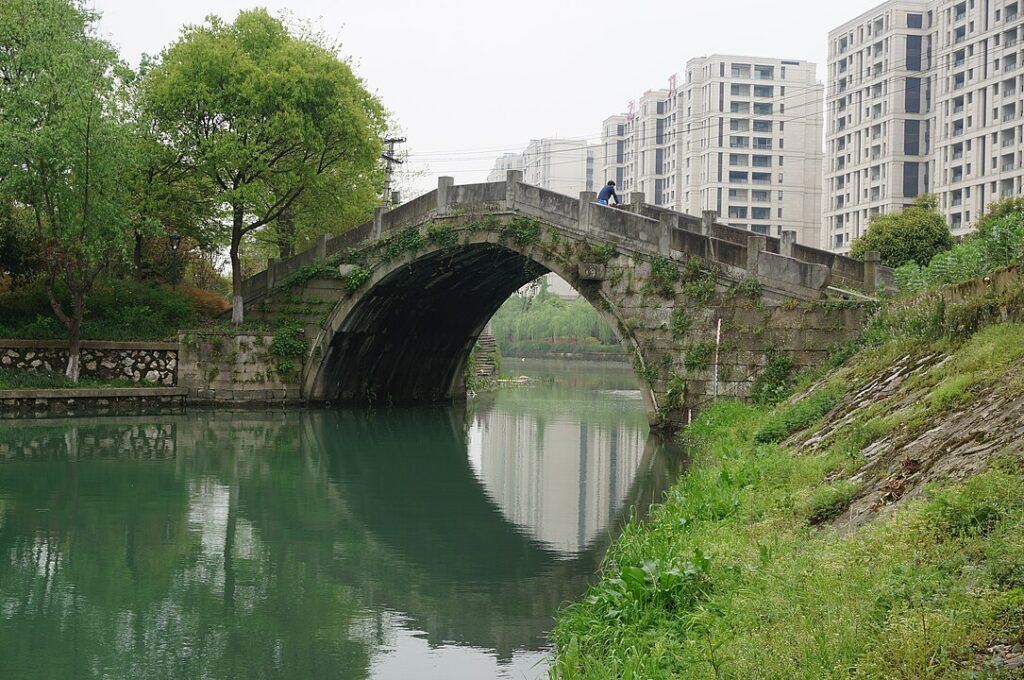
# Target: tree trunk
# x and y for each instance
(237, 311)
(74, 348)
(286, 233)
(137, 257)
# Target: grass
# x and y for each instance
(756, 592)
(11, 379)
(740, 573)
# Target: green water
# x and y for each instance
(407, 543)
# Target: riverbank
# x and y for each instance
(871, 527)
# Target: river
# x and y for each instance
(426, 542)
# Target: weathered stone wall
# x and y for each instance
(55, 403)
(155, 363)
(223, 367)
(696, 335)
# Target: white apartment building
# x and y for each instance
(504, 163)
(566, 166)
(924, 96)
(742, 137)
(639, 148)
(556, 164)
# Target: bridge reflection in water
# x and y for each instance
(412, 543)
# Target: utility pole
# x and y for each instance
(391, 160)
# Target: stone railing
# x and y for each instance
(153, 362)
(638, 227)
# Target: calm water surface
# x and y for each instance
(407, 543)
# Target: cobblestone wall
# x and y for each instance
(155, 363)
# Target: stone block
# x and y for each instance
(591, 271)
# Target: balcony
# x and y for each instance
(1009, 117)
(1007, 166)
(958, 109)
(1009, 142)
(957, 155)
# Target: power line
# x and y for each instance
(707, 124)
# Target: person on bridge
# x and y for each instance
(608, 192)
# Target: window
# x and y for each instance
(760, 177)
(762, 90)
(740, 71)
(760, 213)
(764, 72)
(738, 212)
(762, 126)
(913, 53)
(763, 109)
(762, 162)
(737, 177)
(739, 107)
(760, 196)
(739, 125)
(738, 159)
(914, 21)
(739, 90)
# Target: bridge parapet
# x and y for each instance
(645, 228)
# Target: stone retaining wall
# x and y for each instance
(153, 362)
(228, 368)
(51, 403)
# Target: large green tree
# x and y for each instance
(265, 116)
(915, 234)
(66, 152)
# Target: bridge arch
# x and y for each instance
(407, 333)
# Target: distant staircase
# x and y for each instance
(485, 357)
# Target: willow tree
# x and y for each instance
(264, 116)
(66, 152)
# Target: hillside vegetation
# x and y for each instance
(872, 526)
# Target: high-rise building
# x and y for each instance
(750, 139)
(504, 163)
(924, 97)
(742, 137)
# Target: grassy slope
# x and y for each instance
(741, 574)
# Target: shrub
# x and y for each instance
(774, 382)
(116, 310)
(916, 234)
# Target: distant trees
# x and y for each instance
(265, 119)
(546, 318)
(915, 234)
(66, 151)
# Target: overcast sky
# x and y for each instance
(468, 80)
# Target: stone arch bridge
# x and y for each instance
(391, 310)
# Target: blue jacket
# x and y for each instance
(608, 192)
